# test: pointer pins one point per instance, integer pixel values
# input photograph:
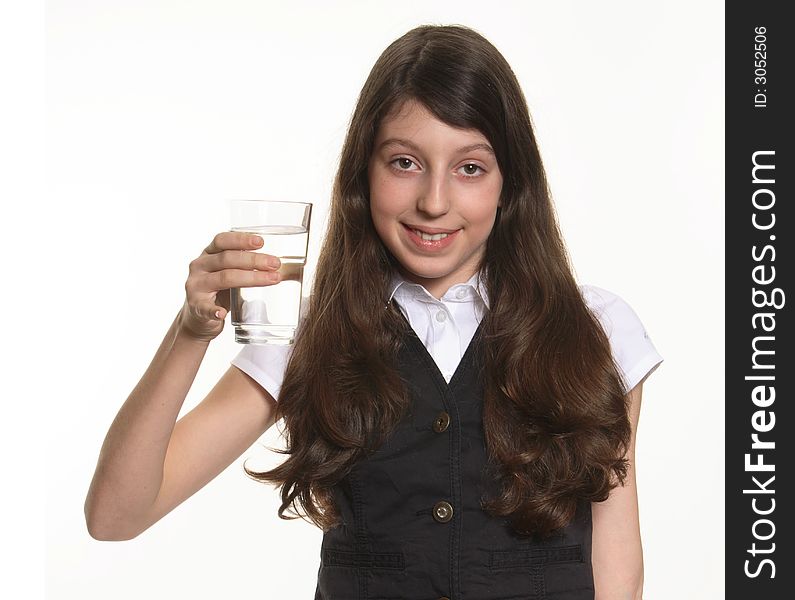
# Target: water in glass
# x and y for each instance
(269, 314)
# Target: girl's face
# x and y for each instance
(434, 192)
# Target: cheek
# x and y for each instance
(388, 198)
(485, 225)
(380, 212)
(482, 207)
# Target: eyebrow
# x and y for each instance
(413, 146)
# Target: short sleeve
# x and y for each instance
(632, 348)
(267, 363)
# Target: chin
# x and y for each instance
(427, 273)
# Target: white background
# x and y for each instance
(157, 112)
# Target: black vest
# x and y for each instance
(412, 527)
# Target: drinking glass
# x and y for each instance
(269, 314)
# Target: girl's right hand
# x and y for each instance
(230, 261)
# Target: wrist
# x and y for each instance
(188, 337)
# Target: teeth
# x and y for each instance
(429, 237)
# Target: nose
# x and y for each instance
(434, 196)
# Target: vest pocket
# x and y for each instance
(513, 559)
(367, 560)
(544, 572)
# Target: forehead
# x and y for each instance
(411, 120)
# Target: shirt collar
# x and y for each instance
(475, 282)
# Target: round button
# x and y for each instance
(460, 293)
(441, 422)
(442, 511)
(441, 316)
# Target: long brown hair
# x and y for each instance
(554, 414)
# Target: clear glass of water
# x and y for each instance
(270, 314)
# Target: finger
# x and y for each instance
(237, 278)
(237, 259)
(233, 240)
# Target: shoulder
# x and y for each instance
(632, 347)
(611, 310)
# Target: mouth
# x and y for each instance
(429, 238)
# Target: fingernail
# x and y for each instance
(274, 262)
(217, 314)
(256, 241)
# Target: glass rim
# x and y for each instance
(290, 202)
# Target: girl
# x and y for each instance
(459, 414)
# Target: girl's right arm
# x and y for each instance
(150, 462)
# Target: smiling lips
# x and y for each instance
(430, 238)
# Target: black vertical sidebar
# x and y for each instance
(760, 369)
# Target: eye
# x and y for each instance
(472, 170)
(402, 163)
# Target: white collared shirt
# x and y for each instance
(446, 327)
